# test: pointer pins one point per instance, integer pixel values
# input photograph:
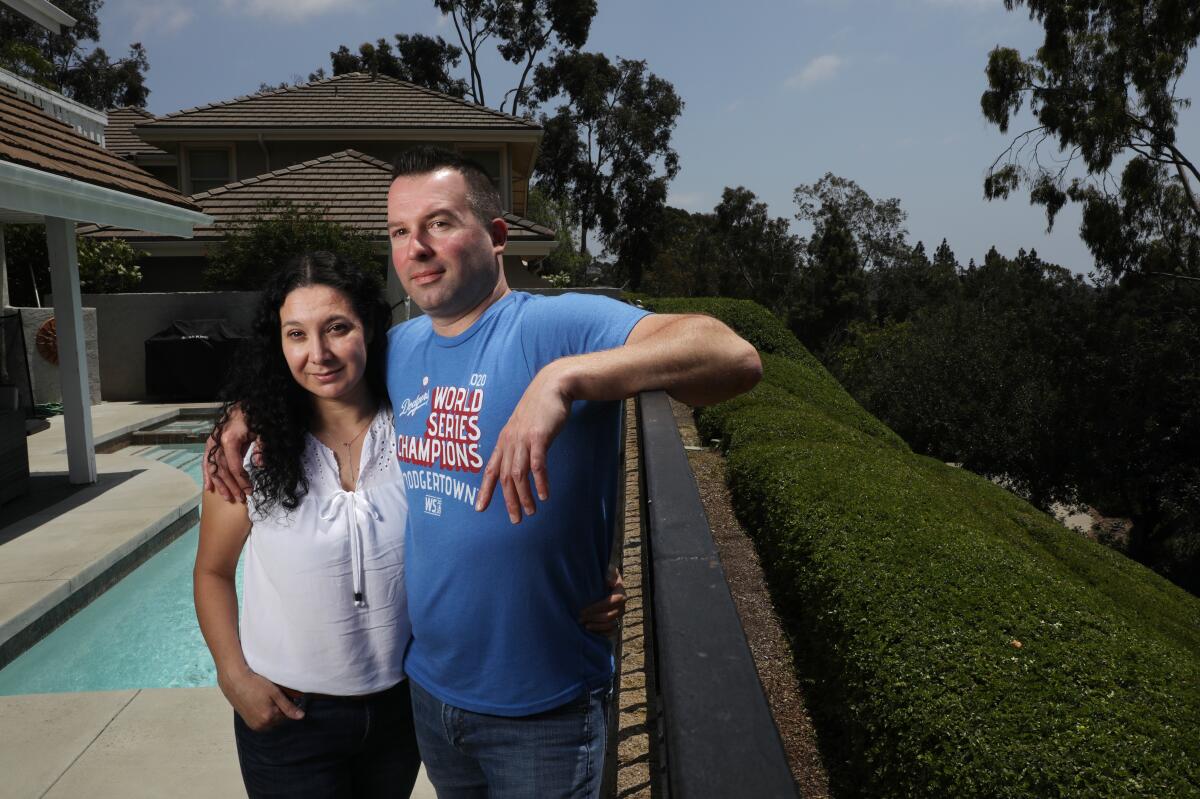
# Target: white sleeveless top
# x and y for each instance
(324, 607)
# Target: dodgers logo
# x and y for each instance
(410, 406)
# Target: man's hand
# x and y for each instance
(223, 470)
(602, 617)
(523, 442)
(696, 359)
(258, 701)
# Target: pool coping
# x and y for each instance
(71, 551)
(53, 609)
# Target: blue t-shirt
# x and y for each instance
(495, 605)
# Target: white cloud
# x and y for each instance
(291, 10)
(162, 18)
(820, 69)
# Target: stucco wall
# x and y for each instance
(125, 321)
(43, 375)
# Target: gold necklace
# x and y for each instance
(348, 444)
(359, 433)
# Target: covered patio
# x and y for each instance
(53, 175)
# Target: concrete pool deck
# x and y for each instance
(175, 742)
(152, 743)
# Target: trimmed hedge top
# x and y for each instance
(752, 322)
(962, 643)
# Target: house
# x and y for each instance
(329, 143)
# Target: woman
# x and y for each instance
(316, 675)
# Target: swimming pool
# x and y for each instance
(141, 633)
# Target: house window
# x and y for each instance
(208, 169)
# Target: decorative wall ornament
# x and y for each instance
(46, 341)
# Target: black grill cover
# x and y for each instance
(189, 359)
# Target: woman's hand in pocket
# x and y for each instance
(260, 702)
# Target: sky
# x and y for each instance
(777, 92)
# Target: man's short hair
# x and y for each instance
(482, 195)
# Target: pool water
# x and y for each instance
(141, 633)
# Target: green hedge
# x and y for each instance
(905, 583)
(755, 323)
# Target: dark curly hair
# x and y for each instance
(276, 408)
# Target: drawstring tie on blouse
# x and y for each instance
(357, 510)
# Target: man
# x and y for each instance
(490, 389)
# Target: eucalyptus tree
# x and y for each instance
(1103, 92)
(529, 27)
(523, 30)
(67, 63)
(424, 60)
(608, 140)
(876, 225)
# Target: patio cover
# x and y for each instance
(51, 174)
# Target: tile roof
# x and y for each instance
(120, 137)
(349, 186)
(32, 138)
(353, 100)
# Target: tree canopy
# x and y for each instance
(609, 140)
(531, 26)
(876, 225)
(565, 259)
(1102, 88)
(524, 30)
(277, 231)
(105, 267)
(735, 250)
(63, 62)
(833, 285)
(424, 60)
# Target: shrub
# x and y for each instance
(753, 322)
(958, 642)
(277, 231)
(108, 267)
(105, 267)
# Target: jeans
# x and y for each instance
(558, 753)
(343, 747)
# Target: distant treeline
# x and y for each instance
(1069, 389)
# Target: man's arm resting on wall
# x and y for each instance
(698, 360)
(695, 359)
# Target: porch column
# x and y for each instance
(72, 355)
(3, 273)
(4, 305)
